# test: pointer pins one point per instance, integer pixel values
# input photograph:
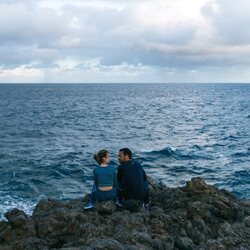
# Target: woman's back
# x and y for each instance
(105, 176)
(104, 187)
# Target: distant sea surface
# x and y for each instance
(49, 133)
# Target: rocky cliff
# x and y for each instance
(197, 216)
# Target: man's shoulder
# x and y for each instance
(123, 165)
(120, 165)
(135, 163)
(130, 163)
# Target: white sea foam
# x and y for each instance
(158, 149)
(9, 202)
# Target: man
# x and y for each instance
(131, 179)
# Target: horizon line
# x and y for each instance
(124, 83)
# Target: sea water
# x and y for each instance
(49, 133)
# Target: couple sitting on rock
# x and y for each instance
(129, 182)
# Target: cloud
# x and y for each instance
(100, 40)
(118, 36)
(22, 25)
(230, 20)
(114, 35)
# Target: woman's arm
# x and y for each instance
(95, 178)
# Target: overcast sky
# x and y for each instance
(124, 41)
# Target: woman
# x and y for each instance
(104, 187)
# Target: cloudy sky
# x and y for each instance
(124, 41)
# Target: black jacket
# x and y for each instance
(131, 180)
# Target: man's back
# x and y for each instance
(131, 178)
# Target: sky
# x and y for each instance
(114, 41)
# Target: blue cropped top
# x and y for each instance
(104, 176)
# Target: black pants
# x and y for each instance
(122, 195)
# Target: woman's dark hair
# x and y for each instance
(126, 151)
(100, 155)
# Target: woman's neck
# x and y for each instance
(103, 164)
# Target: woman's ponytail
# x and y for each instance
(100, 155)
(97, 158)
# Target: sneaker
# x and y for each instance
(145, 206)
(89, 206)
(118, 203)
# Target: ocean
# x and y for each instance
(50, 132)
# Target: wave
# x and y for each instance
(18, 186)
(230, 138)
(166, 150)
(245, 153)
(8, 202)
(243, 174)
(180, 154)
(197, 147)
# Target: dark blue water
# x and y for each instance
(49, 133)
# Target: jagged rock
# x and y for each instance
(105, 207)
(247, 221)
(197, 216)
(196, 184)
(105, 244)
(19, 227)
(16, 218)
(4, 226)
(142, 238)
(31, 243)
(75, 248)
(184, 243)
(214, 245)
(225, 230)
(5, 247)
(132, 205)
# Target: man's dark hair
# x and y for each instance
(126, 151)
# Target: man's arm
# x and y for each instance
(143, 172)
(144, 175)
(119, 177)
(119, 173)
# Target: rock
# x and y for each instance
(105, 244)
(214, 245)
(105, 207)
(199, 232)
(31, 244)
(247, 221)
(196, 184)
(19, 227)
(132, 205)
(16, 218)
(142, 238)
(225, 230)
(5, 247)
(73, 248)
(163, 242)
(158, 222)
(123, 235)
(4, 226)
(184, 243)
(197, 216)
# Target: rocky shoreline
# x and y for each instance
(197, 216)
